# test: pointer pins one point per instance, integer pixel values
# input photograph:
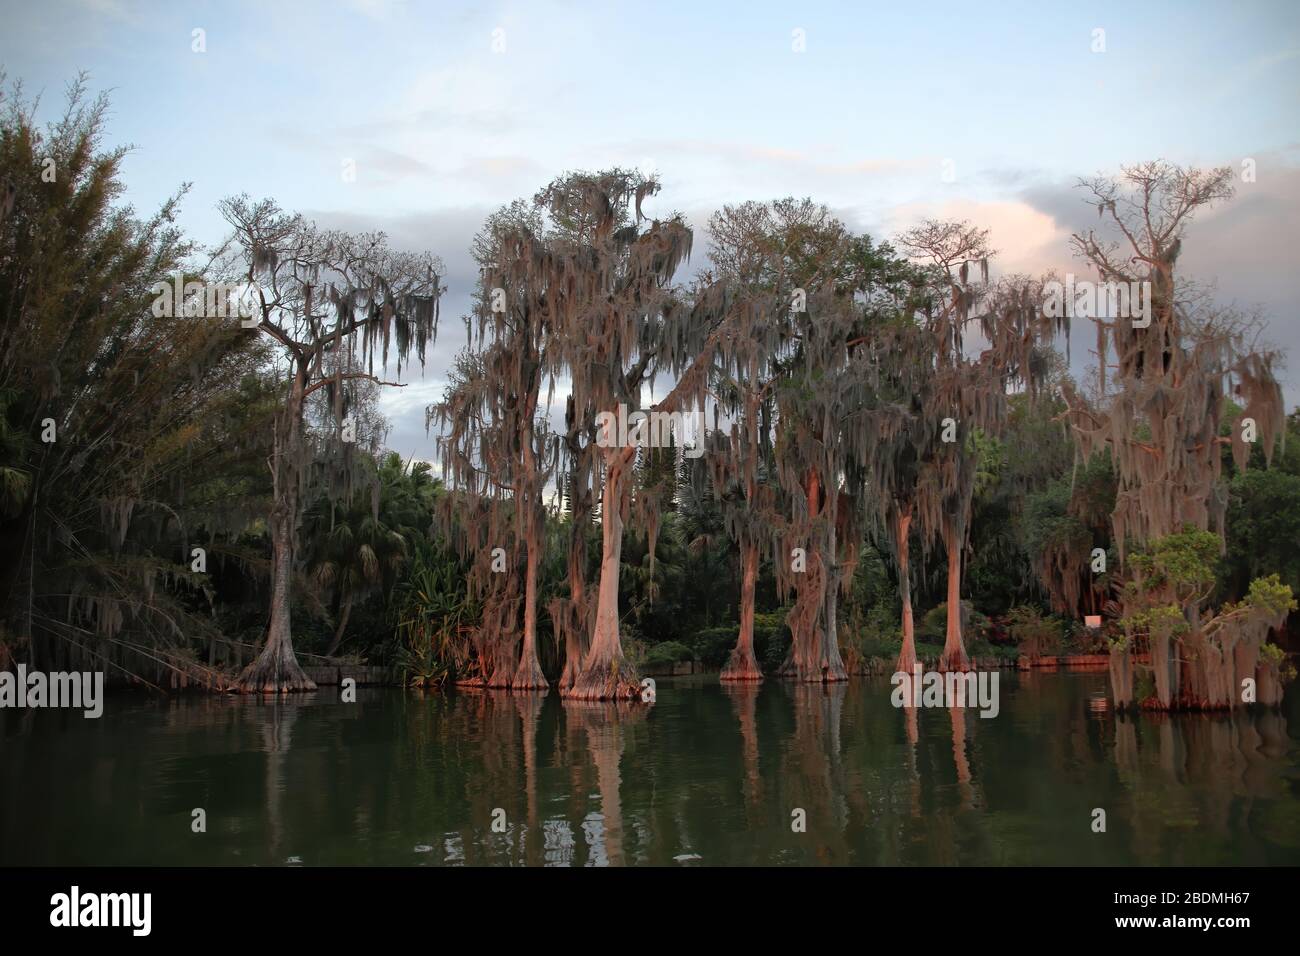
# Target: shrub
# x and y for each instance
(881, 634)
(712, 645)
(1144, 684)
(974, 626)
(635, 655)
(1033, 633)
(1001, 652)
(1085, 640)
(1271, 654)
(771, 640)
(669, 652)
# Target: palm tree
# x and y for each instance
(357, 546)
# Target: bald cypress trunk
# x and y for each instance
(276, 669)
(604, 674)
(1162, 666)
(814, 653)
(1245, 660)
(529, 676)
(743, 665)
(1121, 676)
(902, 526)
(830, 666)
(573, 626)
(572, 620)
(1268, 684)
(954, 651)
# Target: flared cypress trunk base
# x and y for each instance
(529, 676)
(502, 672)
(906, 658)
(742, 665)
(954, 660)
(569, 677)
(274, 671)
(605, 680)
(823, 673)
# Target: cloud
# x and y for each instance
(1243, 249)
(1028, 240)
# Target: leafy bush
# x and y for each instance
(712, 645)
(635, 655)
(879, 633)
(771, 640)
(1271, 654)
(669, 652)
(974, 626)
(1001, 652)
(1032, 632)
(1144, 684)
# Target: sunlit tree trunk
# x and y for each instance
(604, 673)
(903, 525)
(815, 654)
(573, 619)
(529, 675)
(830, 666)
(954, 652)
(575, 623)
(742, 664)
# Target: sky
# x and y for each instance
(886, 112)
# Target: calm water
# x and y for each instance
(707, 775)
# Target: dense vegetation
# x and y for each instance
(143, 530)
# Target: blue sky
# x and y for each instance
(449, 110)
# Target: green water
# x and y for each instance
(706, 775)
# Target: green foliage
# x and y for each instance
(1181, 565)
(1263, 523)
(1270, 596)
(983, 649)
(668, 652)
(934, 624)
(771, 639)
(163, 441)
(433, 617)
(1144, 684)
(1160, 618)
(154, 433)
(358, 546)
(881, 633)
(713, 645)
(1034, 633)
